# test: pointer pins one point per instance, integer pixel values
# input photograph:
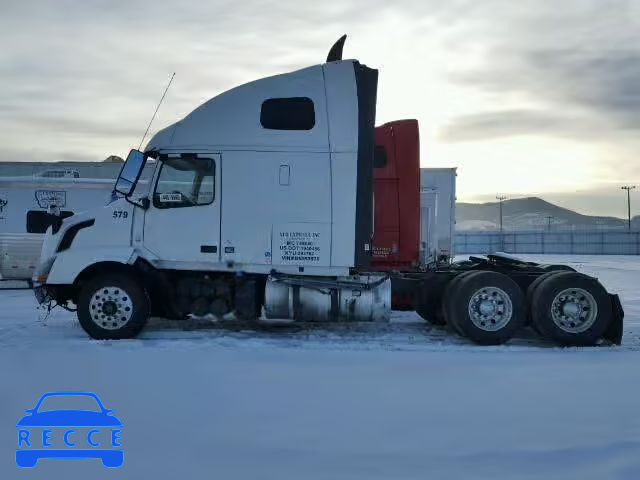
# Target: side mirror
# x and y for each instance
(130, 173)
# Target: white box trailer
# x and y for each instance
(26, 191)
(429, 252)
(438, 191)
(24, 202)
(103, 170)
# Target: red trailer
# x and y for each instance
(396, 234)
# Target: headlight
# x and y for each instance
(41, 273)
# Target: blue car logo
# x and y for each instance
(69, 433)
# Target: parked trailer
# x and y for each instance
(26, 197)
(276, 215)
(24, 218)
(409, 233)
(442, 183)
(84, 170)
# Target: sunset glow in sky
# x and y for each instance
(527, 97)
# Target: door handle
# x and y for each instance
(285, 174)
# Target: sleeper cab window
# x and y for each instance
(185, 182)
(293, 113)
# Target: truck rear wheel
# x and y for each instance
(571, 308)
(485, 306)
(113, 306)
(529, 296)
(450, 293)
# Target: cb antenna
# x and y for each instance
(156, 111)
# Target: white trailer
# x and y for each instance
(429, 249)
(104, 170)
(24, 202)
(262, 201)
(438, 190)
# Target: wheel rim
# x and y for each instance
(574, 310)
(490, 309)
(110, 308)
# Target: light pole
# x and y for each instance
(628, 188)
(501, 198)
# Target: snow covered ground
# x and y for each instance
(397, 401)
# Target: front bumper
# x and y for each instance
(41, 293)
(45, 293)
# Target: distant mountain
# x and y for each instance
(531, 213)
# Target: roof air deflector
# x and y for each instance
(335, 54)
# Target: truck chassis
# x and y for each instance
(580, 312)
(487, 300)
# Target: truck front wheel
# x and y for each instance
(113, 306)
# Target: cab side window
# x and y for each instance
(293, 113)
(185, 182)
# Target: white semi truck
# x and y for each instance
(261, 202)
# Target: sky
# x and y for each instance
(525, 98)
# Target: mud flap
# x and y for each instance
(247, 299)
(614, 331)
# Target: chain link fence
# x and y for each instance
(600, 242)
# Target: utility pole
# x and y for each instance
(549, 218)
(501, 198)
(628, 188)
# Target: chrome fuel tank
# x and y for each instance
(365, 298)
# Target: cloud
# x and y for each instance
(507, 123)
(80, 79)
(97, 69)
(570, 72)
(574, 92)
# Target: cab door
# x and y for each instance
(182, 223)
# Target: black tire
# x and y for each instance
(449, 298)
(595, 323)
(100, 325)
(554, 267)
(429, 298)
(529, 296)
(248, 298)
(485, 330)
